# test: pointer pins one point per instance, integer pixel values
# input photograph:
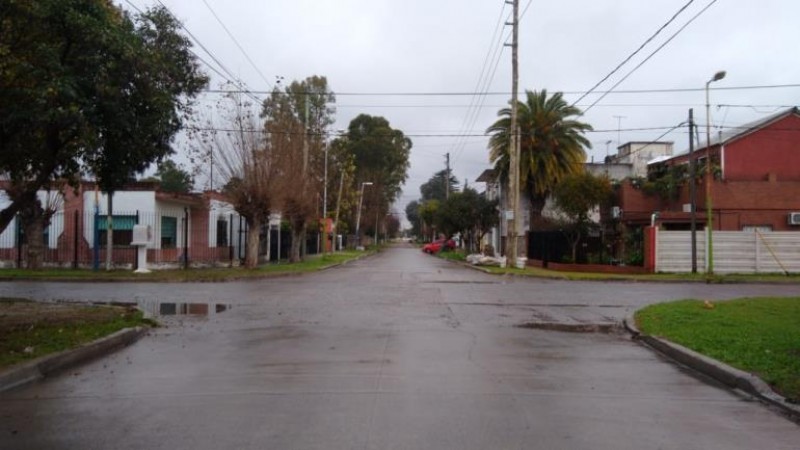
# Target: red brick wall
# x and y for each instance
(736, 204)
(774, 149)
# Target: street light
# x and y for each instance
(358, 216)
(709, 216)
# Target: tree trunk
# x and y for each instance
(32, 218)
(297, 241)
(253, 235)
(110, 232)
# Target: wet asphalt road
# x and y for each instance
(397, 351)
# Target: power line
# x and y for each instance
(658, 49)
(410, 135)
(485, 79)
(605, 105)
(213, 69)
(237, 44)
(625, 61)
(505, 94)
(655, 141)
(233, 79)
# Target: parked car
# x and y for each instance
(438, 245)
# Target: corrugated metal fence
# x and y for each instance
(734, 251)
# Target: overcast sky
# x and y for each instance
(449, 46)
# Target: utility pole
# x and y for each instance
(325, 204)
(447, 177)
(693, 191)
(513, 222)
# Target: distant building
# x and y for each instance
(639, 154)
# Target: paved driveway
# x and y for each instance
(398, 351)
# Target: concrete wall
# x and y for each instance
(734, 252)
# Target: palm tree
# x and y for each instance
(551, 144)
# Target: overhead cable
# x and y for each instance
(644, 44)
(658, 49)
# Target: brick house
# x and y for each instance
(198, 228)
(757, 182)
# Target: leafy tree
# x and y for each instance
(296, 122)
(551, 144)
(428, 212)
(468, 213)
(85, 87)
(380, 154)
(392, 226)
(173, 178)
(412, 214)
(436, 189)
(576, 196)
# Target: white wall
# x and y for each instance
(220, 210)
(125, 203)
(8, 236)
(734, 251)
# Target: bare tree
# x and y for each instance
(244, 167)
(296, 120)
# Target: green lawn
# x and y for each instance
(29, 330)
(312, 263)
(757, 335)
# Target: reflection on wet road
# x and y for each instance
(401, 350)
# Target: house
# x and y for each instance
(637, 155)
(496, 189)
(196, 228)
(756, 182)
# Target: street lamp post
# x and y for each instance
(709, 214)
(325, 204)
(358, 215)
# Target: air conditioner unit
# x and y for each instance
(794, 218)
(616, 212)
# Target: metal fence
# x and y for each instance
(180, 238)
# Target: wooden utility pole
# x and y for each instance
(512, 235)
(447, 177)
(693, 191)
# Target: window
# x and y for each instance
(222, 233)
(169, 232)
(123, 230)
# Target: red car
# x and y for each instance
(437, 245)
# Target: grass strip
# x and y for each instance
(30, 330)
(310, 264)
(758, 335)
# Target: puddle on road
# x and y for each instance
(160, 309)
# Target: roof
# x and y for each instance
(743, 130)
(488, 176)
(659, 159)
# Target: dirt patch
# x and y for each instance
(17, 313)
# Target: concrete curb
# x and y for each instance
(47, 365)
(725, 374)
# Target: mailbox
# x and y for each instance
(142, 235)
